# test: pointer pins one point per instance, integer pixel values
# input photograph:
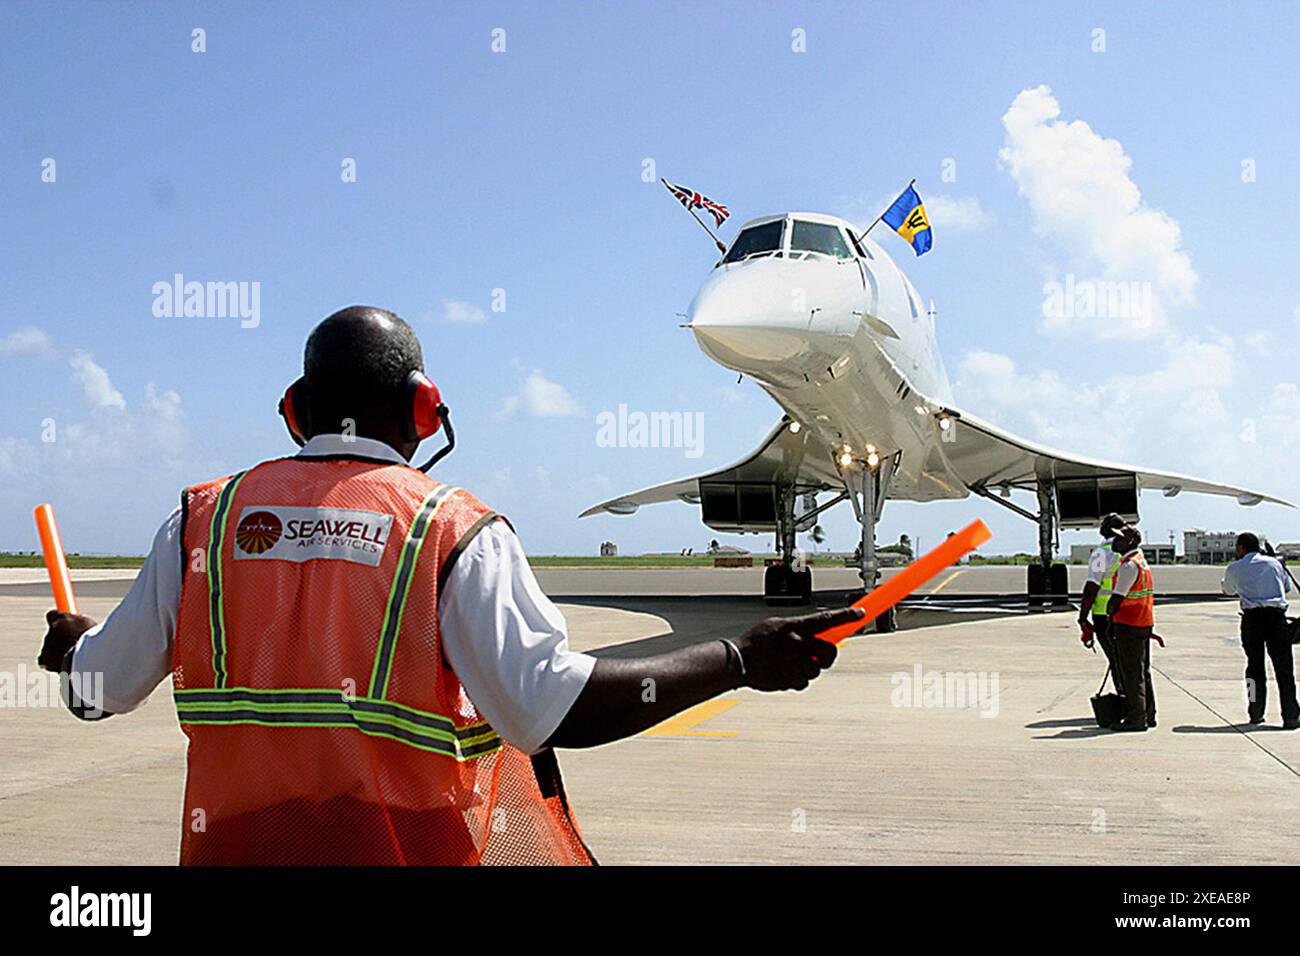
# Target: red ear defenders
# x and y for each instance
(422, 412)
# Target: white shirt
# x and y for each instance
(1127, 574)
(506, 641)
(1099, 563)
(1258, 580)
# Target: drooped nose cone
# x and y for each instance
(771, 317)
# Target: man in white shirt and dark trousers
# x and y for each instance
(1097, 589)
(1261, 584)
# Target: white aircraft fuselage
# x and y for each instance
(809, 328)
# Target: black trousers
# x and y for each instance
(1133, 647)
(1101, 627)
(1264, 629)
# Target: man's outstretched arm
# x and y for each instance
(623, 697)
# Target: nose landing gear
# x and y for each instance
(871, 478)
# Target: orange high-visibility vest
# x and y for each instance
(1137, 609)
(325, 726)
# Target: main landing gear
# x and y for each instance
(786, 582)
(1047, 582)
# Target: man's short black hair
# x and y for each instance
(1248, 541)
(356, 363)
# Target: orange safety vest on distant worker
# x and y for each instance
(324, 724)
(1137, 609)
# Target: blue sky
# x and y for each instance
(522, 171)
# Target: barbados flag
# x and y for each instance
(907, 218)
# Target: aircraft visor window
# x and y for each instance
(756, 240)
(819, 237)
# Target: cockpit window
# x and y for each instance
(819, 237)
(756, 239)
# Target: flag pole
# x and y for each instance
(716, 241)
(885, 210)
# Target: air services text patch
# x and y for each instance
(286, 533)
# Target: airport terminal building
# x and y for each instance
(1154, 553)
(1211, 547)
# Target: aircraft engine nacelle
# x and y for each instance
(1082, 502)
(738, 505)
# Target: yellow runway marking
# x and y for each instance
(680, 726)
(948, 580)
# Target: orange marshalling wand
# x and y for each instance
(55, 563)
(879, 600)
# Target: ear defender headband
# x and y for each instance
(422, 413)
(423, 407)
(296, 411)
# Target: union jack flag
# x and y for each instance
(693, 200)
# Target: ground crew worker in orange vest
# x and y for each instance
(362, 660)
(1131, 611)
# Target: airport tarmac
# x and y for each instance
(960, 738)
(985, 579)
(573, 582)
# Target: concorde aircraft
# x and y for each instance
(829, 326)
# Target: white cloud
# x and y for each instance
(94, 382)
(165, 404)
(27, 340)
(540, 398)
(956, 213)
(465, 313)
(1154, 418)
(1260, 343)
(998, 382)
(1080, 194)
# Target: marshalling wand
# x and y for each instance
(880, 599)
(56, 565)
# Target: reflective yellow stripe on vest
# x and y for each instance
(401, 587)
(216, 599)
(1107, 587)
(321, 707)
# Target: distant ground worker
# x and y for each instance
(362, 660)
(1261, 583)
(1131, 613)
(1102, 565)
